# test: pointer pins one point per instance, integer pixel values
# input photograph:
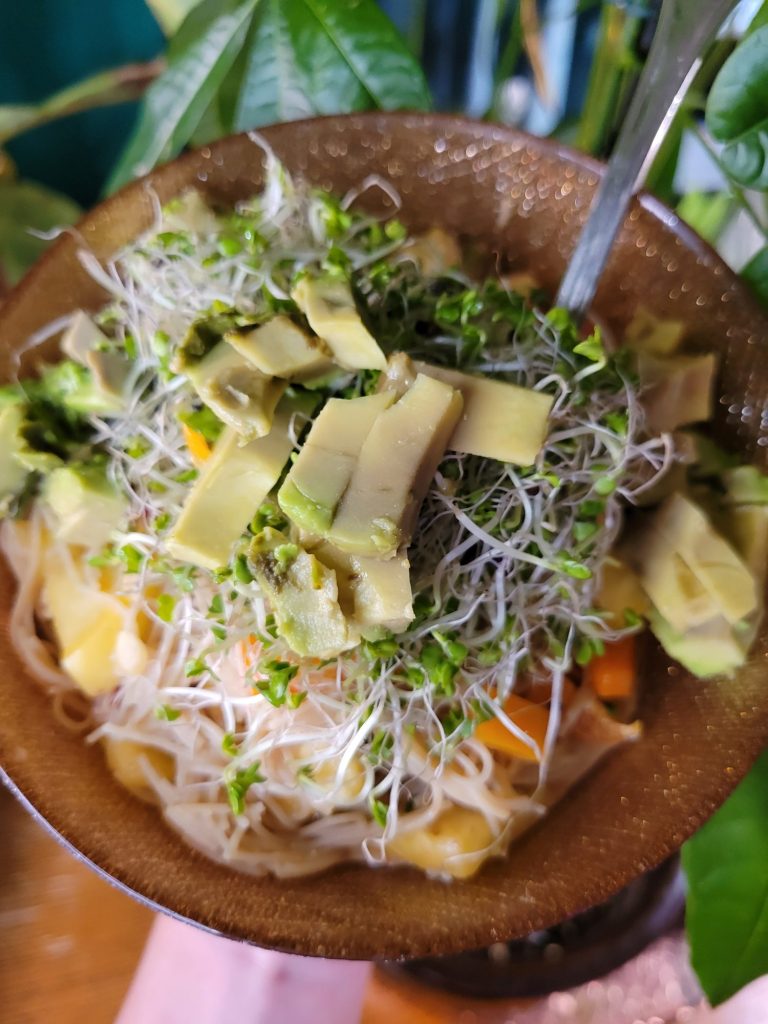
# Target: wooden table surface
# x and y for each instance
(69, 943)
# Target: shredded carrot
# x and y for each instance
(250, 649)
(612, 675)
(198, 447)
(530, 717)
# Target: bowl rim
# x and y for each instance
(550, 146)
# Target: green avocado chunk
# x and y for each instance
(712, 648)
(687, 532)
(281, 348)
(498, 420)
(303, 595)
(232, 484)
(745, 485)
(677, 390)
(396, 465)
(202, 336)
(322, 472)
(374, 593)
(86, 344)
(238, 393)
(189, 212)
(329, 306)
(86, 507)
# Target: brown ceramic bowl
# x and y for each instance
(526, 198)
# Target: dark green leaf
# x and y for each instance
(726, 864)
(239, 64)
(756, 275)
(306, 57)
(199, 57)
(265, 84)
(348, 50)
(211, 125)
(746, 161)
(737, 111)
(24, 206)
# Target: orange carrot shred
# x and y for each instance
(531, 718)
(613, 675)
(198, 447)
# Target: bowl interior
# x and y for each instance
(526, 199)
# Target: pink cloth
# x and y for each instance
(750, 1006)
(187, 976)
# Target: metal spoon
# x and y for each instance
(684, 29)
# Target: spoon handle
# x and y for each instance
(684, 29)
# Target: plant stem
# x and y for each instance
(614, 67)
(104, 89)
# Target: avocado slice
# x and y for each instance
(711, 648)
(434, 252)
(374, 593)
(677, 390)
(619, 590)
(670, 583)
(95, 632)
(72, 386)
(233, 483)
(303, 595)
(747, 529)
(396, 465)
(239, 394)
(86, 507)
(189, 212)
(329, 306)
(281, 348)
(321, 474)
(745, 485)
(687, 532)
(499, 421)
(81, 337)
(647, 333)
(85, 343)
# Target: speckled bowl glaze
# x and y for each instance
(526, 199)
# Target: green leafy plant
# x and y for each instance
(755, 273)
(238, 64)
(737, 116)
(737, 111)
(726, 864)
